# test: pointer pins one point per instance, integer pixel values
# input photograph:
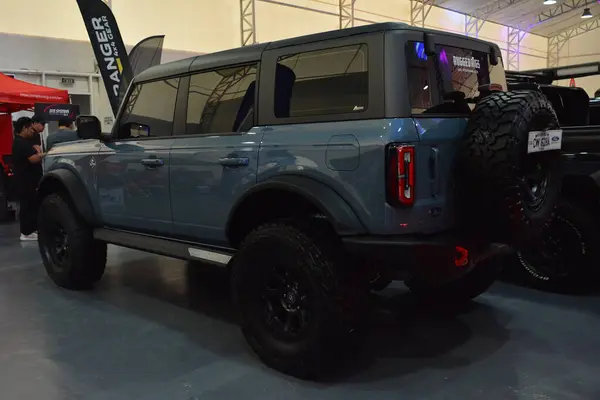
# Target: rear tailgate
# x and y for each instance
(444, 88)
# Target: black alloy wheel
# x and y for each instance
(566, 258)
(561, 250)
(55, 243)
(537, 169)
(285, 305)
(298, 304)
(72, 257)
(534, 183)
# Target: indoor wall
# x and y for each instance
(60, 42)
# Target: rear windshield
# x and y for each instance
(450, 81)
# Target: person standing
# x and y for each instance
(38, 125)
(27, 163)
(65, 133)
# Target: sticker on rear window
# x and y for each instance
(466, 64)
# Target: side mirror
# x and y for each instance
(88, 127)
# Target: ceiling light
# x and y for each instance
(586, 13)
(425, 87)
(549, 2)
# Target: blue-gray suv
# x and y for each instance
(316, 169)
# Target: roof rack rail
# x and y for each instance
(548, 75)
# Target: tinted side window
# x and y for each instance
(323, 82)
(449, 81)
(221, 101)
(150, 104)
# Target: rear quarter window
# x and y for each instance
(449, 82)
(323, 82)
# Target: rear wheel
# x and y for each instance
(297, 301)
(71, 256)
(506, 192)
(568, 258)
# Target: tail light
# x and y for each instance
(401, 175)
(461, 258)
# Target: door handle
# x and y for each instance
(234, 161)
(434, 171)
(153, 162)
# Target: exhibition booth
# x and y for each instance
(16, 96)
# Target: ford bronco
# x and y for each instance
(315, 169)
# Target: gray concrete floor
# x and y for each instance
(156, 328)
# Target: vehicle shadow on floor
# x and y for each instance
(401, 336)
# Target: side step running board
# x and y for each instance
(164, 247)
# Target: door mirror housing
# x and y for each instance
(88, 127)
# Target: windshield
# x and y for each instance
(450, 81)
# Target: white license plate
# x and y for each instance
(544, 141)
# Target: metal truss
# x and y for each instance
(475, 20)
(214, 100)
(513, 45)
(419, 10)
(560, 9)
(347, 13)
(559, 39)
(248, 21)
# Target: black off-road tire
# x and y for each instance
(467, 287)
(492, 166)
(84, 258)
(333, 300)
(575, 267)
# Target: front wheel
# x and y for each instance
(72, 257)
(296, 300)
(568, 259)
(467, 287)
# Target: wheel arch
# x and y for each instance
(66, 182)
(290, 195)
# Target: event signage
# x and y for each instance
(108, 46)
(55, 112)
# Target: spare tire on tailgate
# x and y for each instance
(507, 194)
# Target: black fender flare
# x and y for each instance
(341, 215)
(74, 188)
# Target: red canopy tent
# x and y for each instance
(16, 95)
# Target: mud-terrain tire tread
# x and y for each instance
(342, 297)
(87, 255)
(490, 157)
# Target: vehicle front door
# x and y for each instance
(215, 160)
(133, 168)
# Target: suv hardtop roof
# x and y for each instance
(252, 53)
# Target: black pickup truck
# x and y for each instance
(568, 259)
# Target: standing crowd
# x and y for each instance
(27, 155)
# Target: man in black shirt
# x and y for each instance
(38, 125)
(27, 166)
(64, 134)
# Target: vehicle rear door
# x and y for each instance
(133, 168)
(444, 88)
(214, 159)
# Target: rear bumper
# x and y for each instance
(433, 257)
